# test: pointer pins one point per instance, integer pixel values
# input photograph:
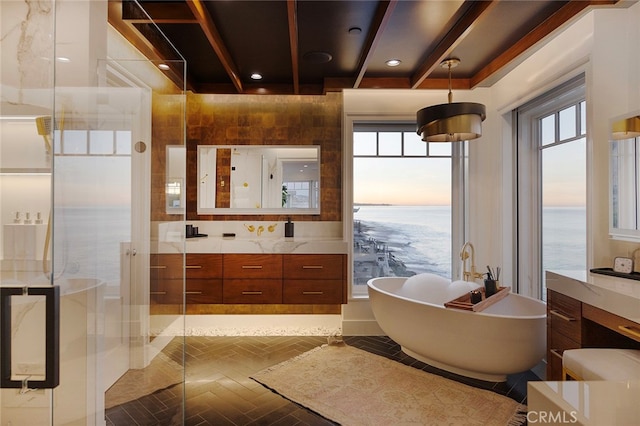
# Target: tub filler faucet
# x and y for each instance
(466, 251)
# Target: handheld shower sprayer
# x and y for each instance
(44, 129)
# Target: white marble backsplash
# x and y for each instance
(250, 236)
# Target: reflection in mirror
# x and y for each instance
(252, 179)
(624, 169)
(174, 185)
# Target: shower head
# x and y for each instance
(44, 129)
(44, 125)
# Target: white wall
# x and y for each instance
(604, 45)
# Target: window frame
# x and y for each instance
(528, 206)
(459, 196)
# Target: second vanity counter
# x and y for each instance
(586, 310)
(616, 295)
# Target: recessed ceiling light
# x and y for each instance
(317, 57)
(63, 59)
(256, 76)
(163, 67)
(393, 62)
(355, 30)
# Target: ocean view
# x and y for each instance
(420, 237)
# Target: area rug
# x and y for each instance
(354, 387)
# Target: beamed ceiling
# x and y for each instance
(315, 46)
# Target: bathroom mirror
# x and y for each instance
(624, 169)
(257, 179)
(174, 185)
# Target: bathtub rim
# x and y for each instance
(371, 285)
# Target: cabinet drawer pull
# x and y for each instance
(192, 292)
(561, 315)
(252, 293)
(312, 266)
(193, 267)
(158, 267)
(158, 292)
(251, 266)
(629, 329)
(556, 352)
(312, 292)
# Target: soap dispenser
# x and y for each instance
(288, 228)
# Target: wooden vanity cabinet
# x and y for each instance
(204, 278)
(165, 279)
(564, 330)
(252, 278)
(203, 284)
(314, 279)
(239, 279)
(572, 324)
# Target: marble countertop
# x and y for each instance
(258, 245)
(619, 296)
(583, 402)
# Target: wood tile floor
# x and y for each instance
(218, 390)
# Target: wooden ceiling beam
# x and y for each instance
(454, 36)
(147, 48)
(161, 13)
(292, 13)
(210, 31)
(560, 18)
(380, 20)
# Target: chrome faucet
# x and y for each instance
(464, 255)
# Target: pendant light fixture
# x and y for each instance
(451, 122)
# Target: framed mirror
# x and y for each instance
(258, 179)
(174, 185)
(624, 179)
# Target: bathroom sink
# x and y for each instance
(609, 271)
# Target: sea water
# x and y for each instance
(420, 236)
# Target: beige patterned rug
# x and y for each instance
(354, 387)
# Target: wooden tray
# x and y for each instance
(464, 302)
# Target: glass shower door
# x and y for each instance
(79, 224)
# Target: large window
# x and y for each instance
(552, 226)
(402, 204)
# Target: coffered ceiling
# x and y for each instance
(315, 46)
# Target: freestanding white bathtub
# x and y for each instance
(507, 337)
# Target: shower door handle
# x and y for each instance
(52, 337)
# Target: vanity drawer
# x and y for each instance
(564, 315)
(312, 291)
(556, 345)
(613, 322)
(166, 291)
(204, 291)
(323, 266)
(165, 266)
(559, 343)
(241, 291)
(202, 265)
(252, 266)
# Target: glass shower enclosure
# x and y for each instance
(79, 146)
